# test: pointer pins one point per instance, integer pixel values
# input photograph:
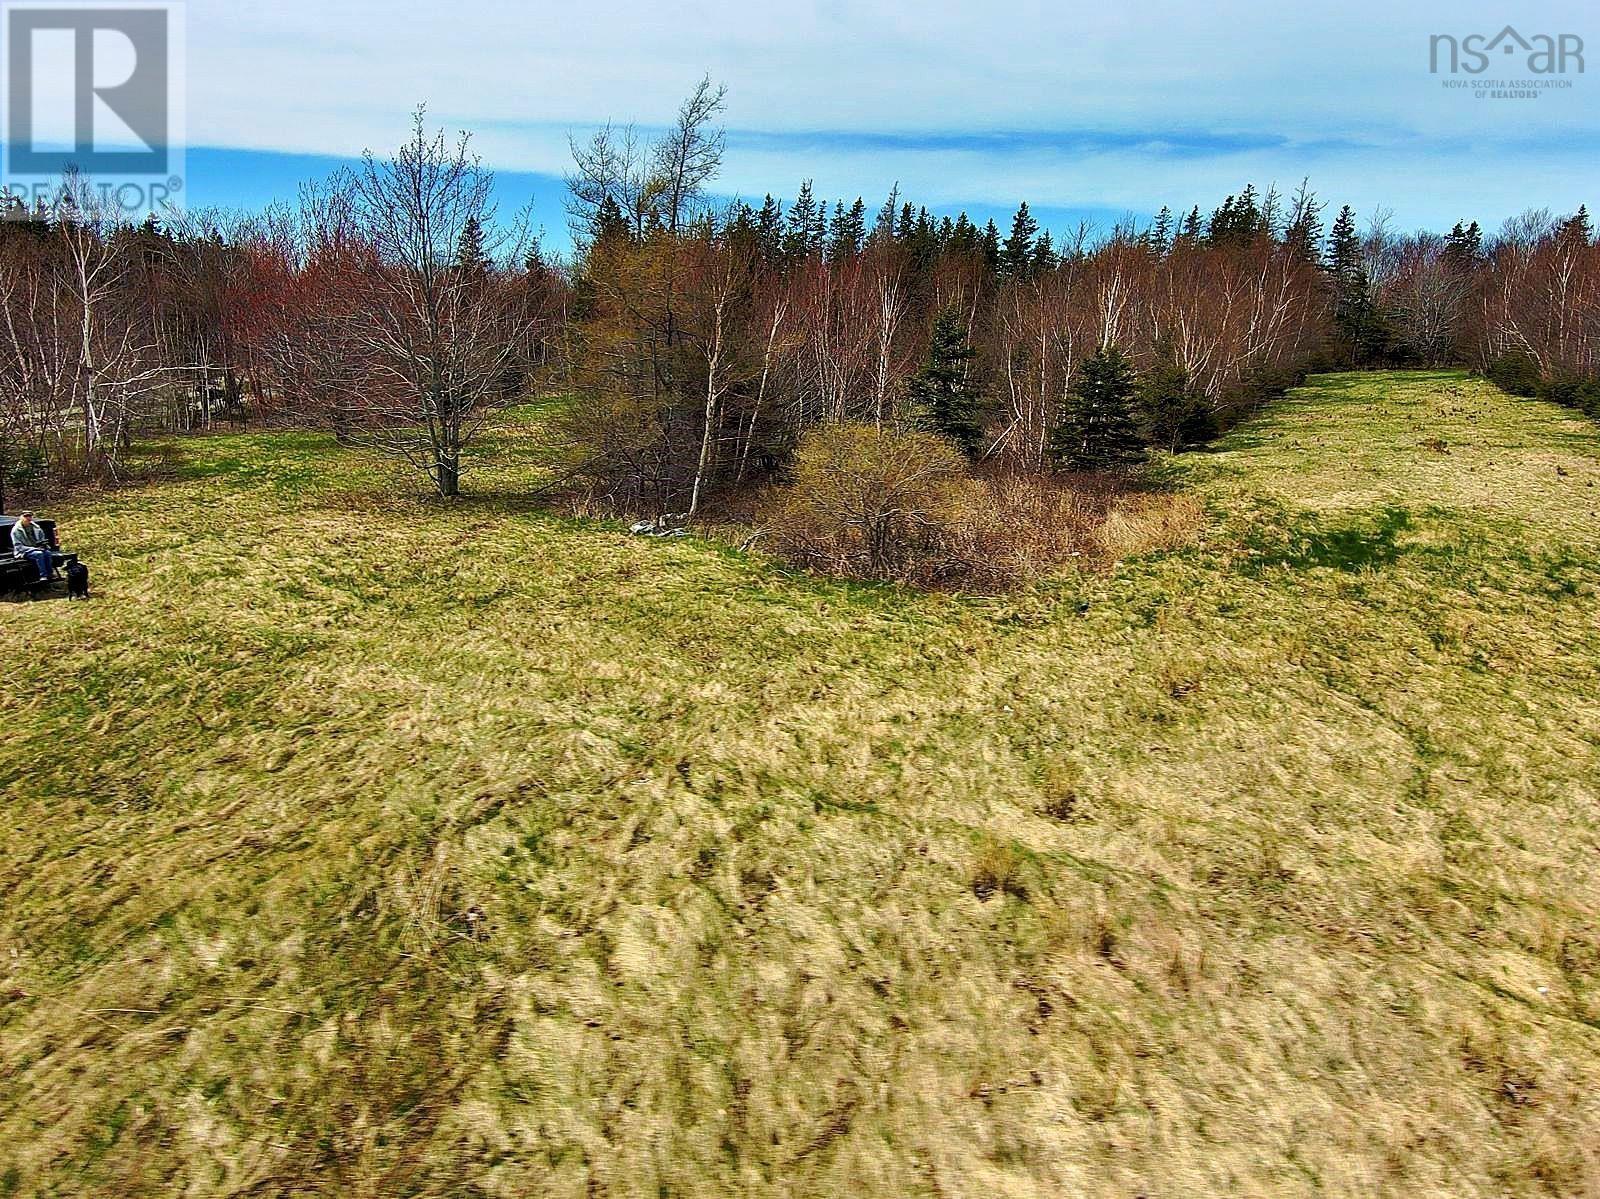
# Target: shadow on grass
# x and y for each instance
(1367, 543)
(55, 590)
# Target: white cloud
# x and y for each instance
(338, 77)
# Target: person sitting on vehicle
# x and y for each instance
(30, 541)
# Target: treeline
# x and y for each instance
(391, 305)
(697, 344)
(707, 343)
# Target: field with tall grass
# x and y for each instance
(358, 844)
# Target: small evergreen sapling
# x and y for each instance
(1099, 425)
(942, 390)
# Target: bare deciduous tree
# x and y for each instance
(690, 156)
(434, 338)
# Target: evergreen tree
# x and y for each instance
(883, 227)
(1160, 235)
(1344, 245)
(153, 242)
(1238, 221)
(963, 235)
(1016, 254)
(1044, 255)
(1248, 217)
(741, 230)
(1353, 313)
(1270, 218)
(832, 247)
(991, 246)
(1576, 229)
(1191, 226)
(769, 231)
(1220, 226)
(609, 221)
(1462, 244)
(817, 235)
(908, 222)
(702, 227)
(797, 234)
(471, 257)
(942, 390)
(1099, 425)
(1171, 414)
(847, 231)
(923, 240)
(1304, 233)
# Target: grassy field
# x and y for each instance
(360, 845)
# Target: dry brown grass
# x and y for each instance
(1265, 867)
(996, 532)
(1150, 523)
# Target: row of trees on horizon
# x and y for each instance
(696, 343)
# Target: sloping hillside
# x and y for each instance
(363, 846)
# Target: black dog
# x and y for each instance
(77, 580)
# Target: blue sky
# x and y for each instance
(1088, 111)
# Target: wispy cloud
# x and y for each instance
(1077, 108)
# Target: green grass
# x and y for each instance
(362, 845)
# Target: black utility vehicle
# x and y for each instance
(17, 574)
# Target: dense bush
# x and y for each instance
(1172, 414)
(1259, 387)
(1577, 392)
(1515, 372)
(869, 502)
(873, 503)
(1518, 374)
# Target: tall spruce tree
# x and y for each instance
(797, 233)
(1044, 255)
(1099, 423)
(1302, 237)
(943, 391)
(962, 235)
(1220, 227)
(1353, 314)
(769, 231)
(847, 231)
(1461, 245)
(908, 221)
(883, 227)
(1016, 255)
(1238, 221)
(610, 224)
(1159, 236)
(991, 246)
(923, 240)
(1577, 229)
(471, 256)
(1344, 245)
(834, 247)
(741, 228)
(817, 235)
(1248, 218)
